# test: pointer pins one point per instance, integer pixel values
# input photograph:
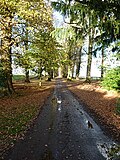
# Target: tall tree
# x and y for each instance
(92, 23)
(44, 52)
(12, 13)
(37, 16)
(105, 17)
(74, 16)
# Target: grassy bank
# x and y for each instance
(19, 111)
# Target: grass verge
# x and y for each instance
(19, 111)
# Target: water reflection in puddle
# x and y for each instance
(59, 104)
(59, 101)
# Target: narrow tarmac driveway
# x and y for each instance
(62, 131)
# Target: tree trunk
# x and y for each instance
(102, 69)
(27, 77)
(73, 70)
(50, 73)
(64, 71)
(40, 76)
(9, 73)
(6, 57)
(40, 80)
(89, 62)
(69, 75)
(53, 73)
(78, 62)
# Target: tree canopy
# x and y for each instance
(97, 21)
(28, 37)
(22, 24)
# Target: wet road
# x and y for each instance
(62, 131)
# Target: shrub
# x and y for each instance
(111, 81)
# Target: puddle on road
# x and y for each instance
(89, 124)
(54, 101)
(109, 151)
(59, 104)
(59, 101)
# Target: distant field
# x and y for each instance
(18, 77)
(21, 77)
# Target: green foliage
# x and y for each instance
(19, 21)
(111, 80)
(44, 52)
(114, 151)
